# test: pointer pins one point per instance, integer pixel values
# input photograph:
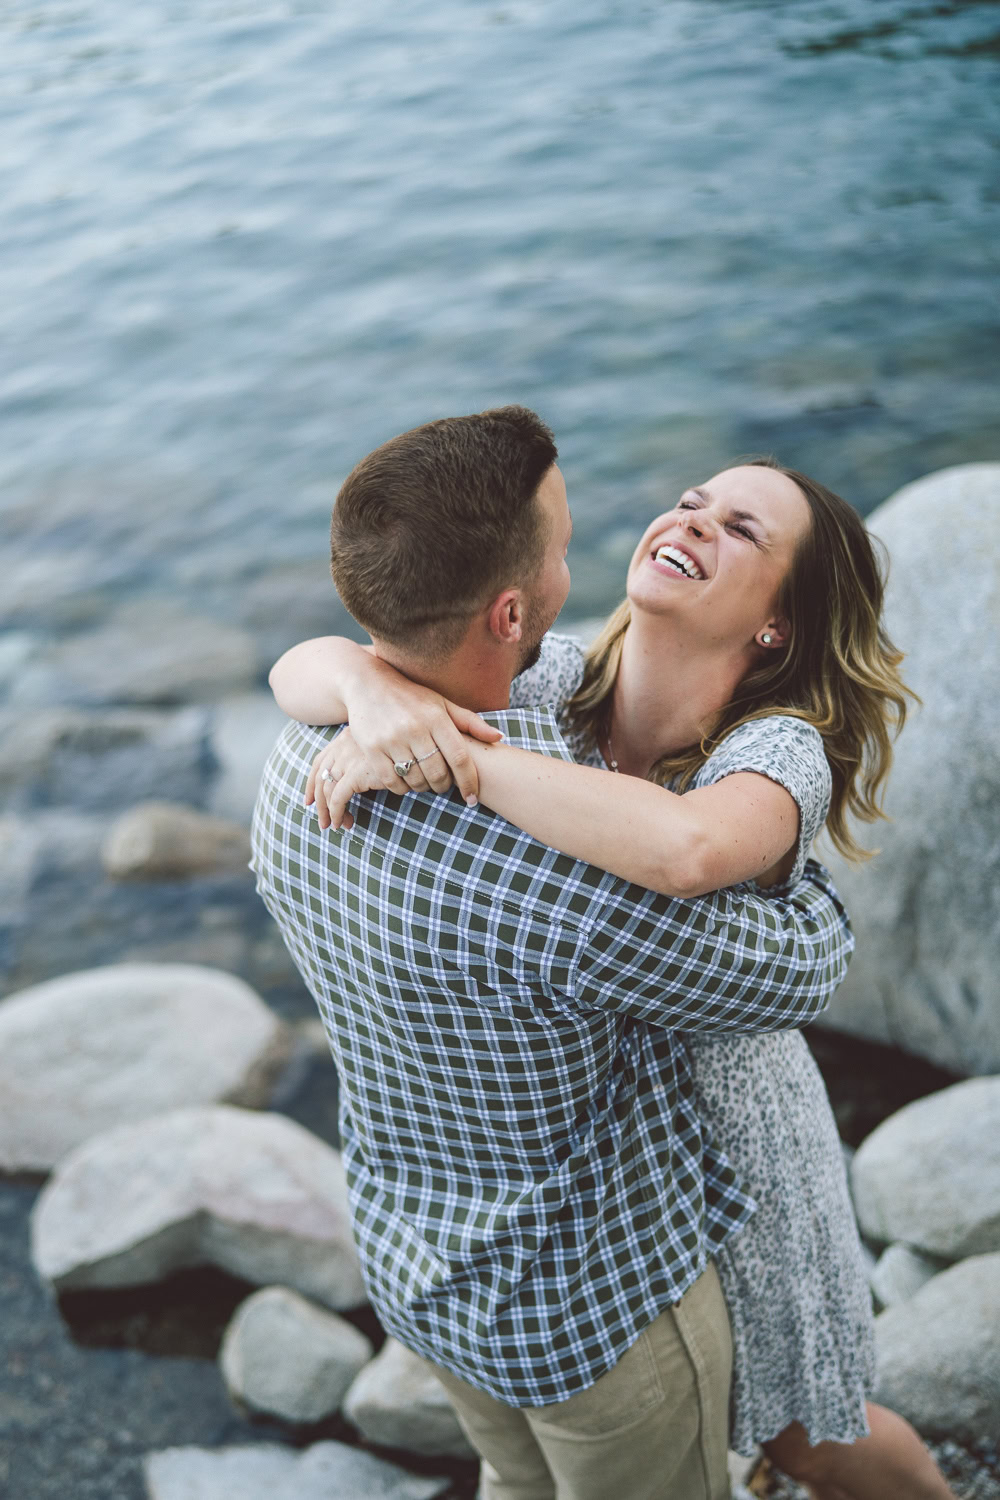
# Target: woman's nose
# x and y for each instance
(693, 523)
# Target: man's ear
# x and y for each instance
(505, 618)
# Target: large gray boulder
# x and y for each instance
(263, 1471)
(110, 1046)
(927, 909)
(930, 1174)
(253, 1193)
(938, 1354)
(398, 1402)
(283, 1355)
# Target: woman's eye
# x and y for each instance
(743, 531)
(686, 505)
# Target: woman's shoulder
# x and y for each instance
(553, 678)
(786, 750)
(769, 744)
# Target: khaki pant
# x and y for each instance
(654, 1427)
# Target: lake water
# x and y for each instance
(243, 241)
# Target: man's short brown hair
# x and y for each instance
(436, 522)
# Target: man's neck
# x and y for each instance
(667, 694)
(475, 676)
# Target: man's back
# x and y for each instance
(526, 1197)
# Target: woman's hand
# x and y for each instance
(338, 773)
(405, 726)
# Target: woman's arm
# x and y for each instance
(331, 680)
(743, 827)
(313, 680)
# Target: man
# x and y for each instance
(535, 1212)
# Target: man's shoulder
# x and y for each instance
(293, 753)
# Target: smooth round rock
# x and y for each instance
(285, 1356)
(264, 1471)
(927, 910)
(108, 1046)
(930, 1174)
(168, 841)
(900, 1272)
(938, 1354)
(398, 1402)
(253, 1193)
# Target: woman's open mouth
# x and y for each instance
(678, 562)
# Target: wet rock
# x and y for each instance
(167, 841)
(149, 651)
(287, 1357)
(243, 733)
(93, 760)
(927, 910)
(398, 1402)
(930, 1174)
(900, 1272)
(939, 1354)
(89, 1051)
(266, 1472)
(254, 1194)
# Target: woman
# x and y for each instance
(746, 691)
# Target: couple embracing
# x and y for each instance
(561, 950)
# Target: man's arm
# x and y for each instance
(730, 961)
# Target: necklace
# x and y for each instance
(606, 749)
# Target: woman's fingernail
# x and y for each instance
(472, 801)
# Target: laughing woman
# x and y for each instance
(741, 698)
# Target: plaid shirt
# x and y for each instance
(529, 1181)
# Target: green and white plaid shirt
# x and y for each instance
(529, 1181)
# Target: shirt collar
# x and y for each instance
(531, 729)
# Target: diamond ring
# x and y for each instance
(401, 766)
(327, 775)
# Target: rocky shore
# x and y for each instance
(167, 1101)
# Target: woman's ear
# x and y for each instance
(774, 634)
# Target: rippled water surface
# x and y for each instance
(243, 241)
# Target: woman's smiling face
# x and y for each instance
(718, 559)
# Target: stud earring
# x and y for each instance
(766, 639)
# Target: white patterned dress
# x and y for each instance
(794, 1280)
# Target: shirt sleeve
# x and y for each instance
(730, 961)
(553, 679)
(791, 752)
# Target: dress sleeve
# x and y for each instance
(553, 679)
(790, 752)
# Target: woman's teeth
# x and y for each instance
(679, 561)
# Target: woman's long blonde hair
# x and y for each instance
(839, 671)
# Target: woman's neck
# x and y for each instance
(667, 694)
